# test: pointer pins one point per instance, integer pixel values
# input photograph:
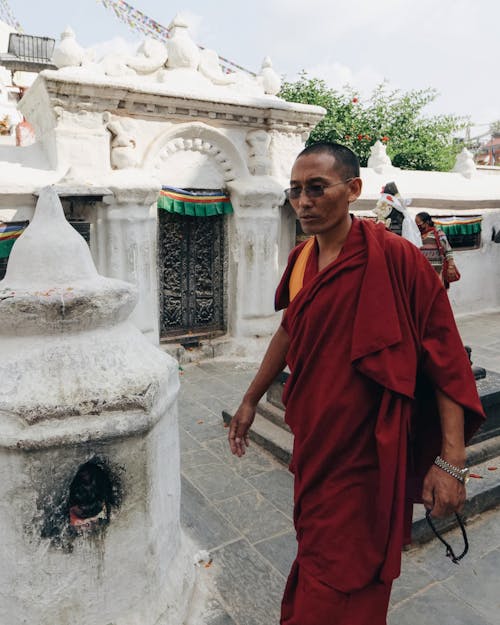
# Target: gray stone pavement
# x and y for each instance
(241, 511)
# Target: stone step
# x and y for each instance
(489, 392)
(278, 440)
(483, 492)
(488, 389)
(483, 450)
(273, 413)
(196, 348)
(275, 391)
(270, 432)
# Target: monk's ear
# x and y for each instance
(355, 186)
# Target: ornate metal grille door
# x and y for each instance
(191, 273)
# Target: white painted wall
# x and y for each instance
(479, 286)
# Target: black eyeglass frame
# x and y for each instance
(314, 190)
(449, 551)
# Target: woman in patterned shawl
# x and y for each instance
(435, 246)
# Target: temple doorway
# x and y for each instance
(192, 269)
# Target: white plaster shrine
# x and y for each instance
(112, 131)
(89, 452)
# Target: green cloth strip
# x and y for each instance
(473, 228)
(5, 247)
(192, 209)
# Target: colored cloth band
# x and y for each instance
(206, 204)
(459, 225)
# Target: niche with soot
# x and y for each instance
(90, 497)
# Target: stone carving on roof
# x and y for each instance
(179, 63)
(269, 78)
(150, 57)
(182, 50)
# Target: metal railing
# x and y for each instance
(31, 48)
(28, 53)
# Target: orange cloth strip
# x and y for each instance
(297, 275)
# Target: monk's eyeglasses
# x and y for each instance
(311, 190)
(449, 551)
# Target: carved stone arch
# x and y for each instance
(197, 137)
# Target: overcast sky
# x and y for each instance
(452, 45)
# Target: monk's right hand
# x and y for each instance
(238, 428)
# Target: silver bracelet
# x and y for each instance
(462, 475)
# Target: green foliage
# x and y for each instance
(495, 127)
(413, 140)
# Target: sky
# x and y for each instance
(450, 45)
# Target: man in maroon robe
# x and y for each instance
(379, 386)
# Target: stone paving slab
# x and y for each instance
(280, 551)
(215, 614)
(481, 589)
(413, 579)
(216, 481)
(254, 515)
(201, 521)
(436, 606)
(250, 588)
(277, 486)
(252, 464)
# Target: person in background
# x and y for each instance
(391, 209)
(365, 318)
(435, 246)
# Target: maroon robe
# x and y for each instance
(365, 333)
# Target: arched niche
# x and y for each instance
(194, 155)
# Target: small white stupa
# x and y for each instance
(89, 451)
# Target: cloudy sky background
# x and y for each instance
(451, 45)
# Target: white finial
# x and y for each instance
(68, 52)
(68, 33)
(271, 81)
(379, 160)
(464, 164)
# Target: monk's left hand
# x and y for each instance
(442, 493)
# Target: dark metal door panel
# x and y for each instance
(191, 273)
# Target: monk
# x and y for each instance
(380, 388)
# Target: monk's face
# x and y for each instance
(323, 193)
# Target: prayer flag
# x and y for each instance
(9, 233)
